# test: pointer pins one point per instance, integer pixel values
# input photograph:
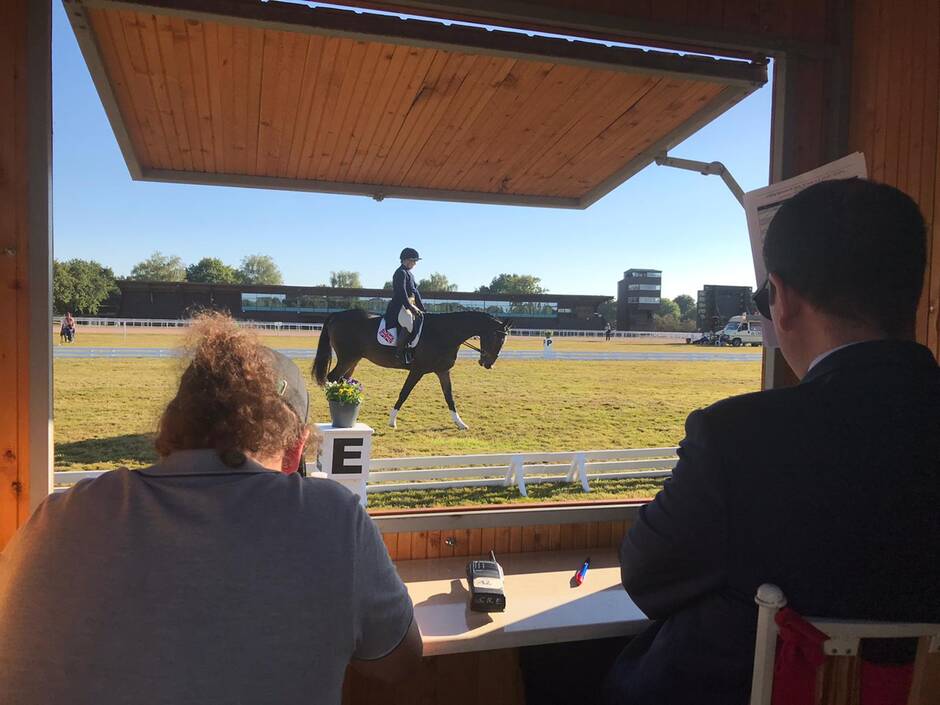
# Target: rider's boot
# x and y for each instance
(401, 353)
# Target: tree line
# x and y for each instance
(83, 286)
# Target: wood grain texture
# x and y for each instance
(204, 97)
(458, 679)
(14, 348)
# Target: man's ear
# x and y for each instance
(291, 459)
(786, 302)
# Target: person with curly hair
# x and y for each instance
(219, 574)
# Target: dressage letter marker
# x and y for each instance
(344, 456)
(347, 456)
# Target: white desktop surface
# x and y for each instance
(542, 607)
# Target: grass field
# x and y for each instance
(106, 410)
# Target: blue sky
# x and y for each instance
(685, 224)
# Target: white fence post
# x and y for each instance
(518, 470)
(578, 471)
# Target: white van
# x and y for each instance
(743, 330)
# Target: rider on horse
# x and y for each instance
(406, 305)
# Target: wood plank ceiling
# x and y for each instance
(279, 95)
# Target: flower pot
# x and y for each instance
(343, 415)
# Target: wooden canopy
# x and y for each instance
(279, 95)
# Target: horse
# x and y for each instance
(353, 334)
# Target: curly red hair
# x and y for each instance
(227, 398)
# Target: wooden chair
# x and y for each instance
(844, 637)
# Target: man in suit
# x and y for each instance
(829, 489)
(406, 306)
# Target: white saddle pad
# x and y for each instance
(390, 337)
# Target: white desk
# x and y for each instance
(542, 607)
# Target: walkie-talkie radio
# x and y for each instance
(486, 585)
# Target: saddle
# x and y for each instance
(390, 337)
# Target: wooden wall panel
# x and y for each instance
(506, 539)
(14, 303)
(490, 677)
(895, 118)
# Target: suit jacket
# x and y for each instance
(829, 489)
(403, 287)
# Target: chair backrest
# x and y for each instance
(844, 637)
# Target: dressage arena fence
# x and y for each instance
(122, 324)
(492, 469)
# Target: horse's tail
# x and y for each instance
(321, 363)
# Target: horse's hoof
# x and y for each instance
(392, 419)
(392, 424)
(458, 422)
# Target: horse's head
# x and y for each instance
(491, 341)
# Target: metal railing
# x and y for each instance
(493, 469)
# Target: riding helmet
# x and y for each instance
(409, 253)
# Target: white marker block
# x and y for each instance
(344, 456)
(547, 350)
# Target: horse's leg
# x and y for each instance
(449, 398)
(344, 368)
(409, 384)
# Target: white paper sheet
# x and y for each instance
(762, 204)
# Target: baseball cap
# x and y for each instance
(291, 388)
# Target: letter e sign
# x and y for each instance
(347, 456)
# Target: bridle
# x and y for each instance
(474, 347)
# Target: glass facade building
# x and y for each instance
(313, 304)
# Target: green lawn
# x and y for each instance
(106, 412)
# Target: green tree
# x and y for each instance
(687, 306)
(435, 282)
(345, 280)
(159, 267)
(608, 310)
(259, 269)
(81, 286)
(513, 284)
(671, 323)
(668, 307)
(387, 286)
(211, 270)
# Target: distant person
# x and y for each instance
(405, 307)
(607, 332)
(828, 489)
(218, 575)
(67, 331)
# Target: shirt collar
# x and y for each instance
(200, 461)
(819, 358)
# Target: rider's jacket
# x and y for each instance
(403, 289)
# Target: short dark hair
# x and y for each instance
(856, 249)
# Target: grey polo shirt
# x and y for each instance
(192, 582)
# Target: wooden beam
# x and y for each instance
(378, 192)
(632, 23)
(25, 259)
(292, 17)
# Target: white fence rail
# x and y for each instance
(123, 323)
(494, 469)
(180, 323)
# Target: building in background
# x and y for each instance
(312, 304)
(638, 297)
(717, 303)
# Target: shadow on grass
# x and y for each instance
(132, 450)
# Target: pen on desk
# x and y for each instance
(582, 571)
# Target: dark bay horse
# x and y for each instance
(352, 334)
